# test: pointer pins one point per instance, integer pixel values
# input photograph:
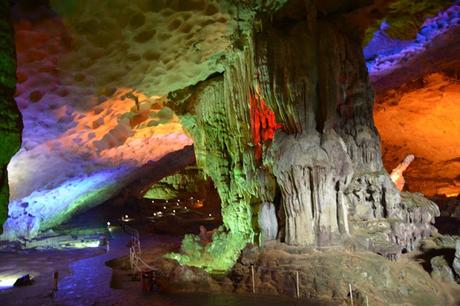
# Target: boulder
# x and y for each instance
(441, 269)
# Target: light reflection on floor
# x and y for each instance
(7, 279)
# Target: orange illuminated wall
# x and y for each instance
(424, 122)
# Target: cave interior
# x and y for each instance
(289, 148)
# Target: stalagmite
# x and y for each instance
(397, 173)
(267, 222)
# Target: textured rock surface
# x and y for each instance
(435, 48)
(310, 177)
(86, 127)
(28, 217)
(268, 223)
(403, 18)
(184, 184)
(153, 46)
(90, 80)
(390, 222)
(416, 216)
(10, 118)
(324, 277)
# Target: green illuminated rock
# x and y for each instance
(220, 128)
(10, 118)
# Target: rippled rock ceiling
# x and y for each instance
(274, 96)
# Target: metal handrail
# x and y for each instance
(135, 251)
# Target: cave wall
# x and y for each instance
(416, 84)
(92, 77)
(10, 118)
(188, 182)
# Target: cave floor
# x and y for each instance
(85, 279)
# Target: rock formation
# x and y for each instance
(320, 154)
(268, 223)
(441, 269)
(456, 264)
(84, 133)
(186, 183)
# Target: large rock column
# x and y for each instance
(289, 122)
(10, 118)
(313, 76)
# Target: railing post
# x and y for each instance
(297, 284)
(351, 294)
(55, 280)
(253, 279)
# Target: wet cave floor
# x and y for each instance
(85, 277)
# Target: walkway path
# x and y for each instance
(89, 281)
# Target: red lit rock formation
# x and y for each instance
(263, 124)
